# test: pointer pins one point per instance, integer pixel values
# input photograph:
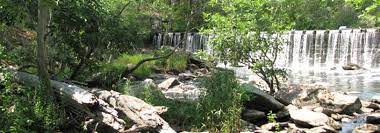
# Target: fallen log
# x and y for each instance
(107, 108)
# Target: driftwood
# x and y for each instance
(106, 108)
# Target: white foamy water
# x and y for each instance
(316, 57)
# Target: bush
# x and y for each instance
(177, 61)
(23, 110)
(182, 114)
(221, 107)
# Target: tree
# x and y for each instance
(42, 49)
(248, 32)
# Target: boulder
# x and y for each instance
(351, 66)
(168, 83)
(373, 118)
(247, 126)
(340, 103)
(374, 106)
(261, 100)
(308, 119)
(252, 115)
(301, 95)
(321, 129)
(367, 128)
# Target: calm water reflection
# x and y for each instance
(364, 83)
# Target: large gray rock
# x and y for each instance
(252, 115)
(373, 118)
(340, 103)
(371, 105)
(168, 83)
(351, 66)
(317, 97)
(308, 119)
(367, 128)
(261, 100)
(301, 95)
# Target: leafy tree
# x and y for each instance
(368, 10)
(245, 33)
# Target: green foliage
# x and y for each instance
(181, 114)
(209, 59)
(177, 61)
(114, 69)
(272, 119)
(221, 107)
(245, 33)
(23, 110)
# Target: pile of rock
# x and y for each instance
(310, 108)
(181, 86)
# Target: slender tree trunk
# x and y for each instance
(42, 58)
(82, 63)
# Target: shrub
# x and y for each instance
(221, 107)
(182, 114)
(177, 61)
(23, 110)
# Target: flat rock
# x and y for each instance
(301, 95)
(308, 119)
(168, 83)
(373, 118)
(367, 128)
(293, 128)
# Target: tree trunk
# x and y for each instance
(106, 108)
(42, 58)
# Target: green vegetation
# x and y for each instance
(217, 111)
(220, 108)
(100, 39)
(272, 119)
(129, 60)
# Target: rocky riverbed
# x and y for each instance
(298, 107)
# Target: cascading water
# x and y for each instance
(319, 49)
(315, 56)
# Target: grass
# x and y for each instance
(178, 61)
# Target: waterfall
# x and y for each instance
(312, 49)
(316, 49)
